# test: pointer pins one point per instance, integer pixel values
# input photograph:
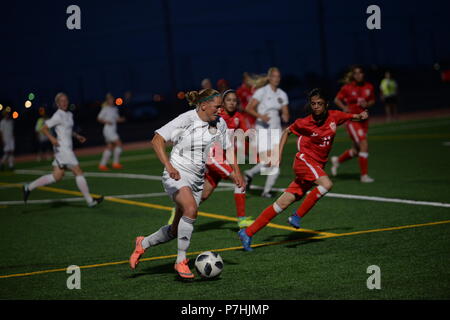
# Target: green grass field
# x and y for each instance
(410, 242)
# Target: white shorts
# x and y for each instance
(9, 145)
(110, 136)
(65, 158)
(268, 139)
(187, 180)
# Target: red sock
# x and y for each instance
(264, 218)
(347, 155)
(364, 165)
(239, 199)
(310, 201)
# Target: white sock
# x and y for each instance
(105, 157)
(270, 181)
(83, 186)
(42, 181)
(185, 229)
(161, 236)
(116, 156)
(11, 161)
(256, 169)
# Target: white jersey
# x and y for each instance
(7, 130)
(110, 114)
(270, 103)
(62, 121)
(192, 139)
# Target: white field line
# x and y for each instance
(121, 196)
(228, 184)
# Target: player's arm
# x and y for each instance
(340, 104)
(159, 145)
(251, 110)
(360, 116)
(79, 137)
(231, 154)
(45, 130)
(286, 133)
(103, 121)
(285, 113)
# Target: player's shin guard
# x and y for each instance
(83, 187)
(363, 162)
(42, 181)
(116, 156)
(311, 200)
(163, 235)
(105, 157)
(264, 218)
(347, 155)
(239, 199)
(185, 229)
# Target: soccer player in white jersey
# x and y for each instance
(266, 104)
(192, 134)
(62, 121)
(7, 135)
(109, 117)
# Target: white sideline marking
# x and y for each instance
(121, 196)
(228, 184)
(446, 143)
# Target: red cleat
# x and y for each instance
(117, 166)
(137, 253)
(183, 269)
(103, 168)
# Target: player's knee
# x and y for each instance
(190, 211)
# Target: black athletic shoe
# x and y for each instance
(95, 202)
(26, 192)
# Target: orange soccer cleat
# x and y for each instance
(103, 168)
(137, 253)
(183, 269)
(117, 166)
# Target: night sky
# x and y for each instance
(123, 45)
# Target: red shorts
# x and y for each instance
(306, 172)
(357, 130)
(216, 172)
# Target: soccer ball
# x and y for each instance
(209, 264)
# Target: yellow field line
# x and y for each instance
(265, 244)
(167, 208)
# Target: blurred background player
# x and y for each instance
(266, 104)
(65, 159)
(7, 138)
(245, 93)
(355, 96)
(109, 117)
(388, 93)
(44, 145)
(206, 84)
(192, 134)
(218, 168)
(222, 85)
(316, 134)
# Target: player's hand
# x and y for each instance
(363, 103)
(54, 142)
(265, 118)
(81, 139)
(239, 181)
(364, 115)
(345, 109)
(173, 173)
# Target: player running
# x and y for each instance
(109, 117)
(192, 134)
(316, 133)
(7, 137)
(65, 159)
(355, 96)
(265, 106)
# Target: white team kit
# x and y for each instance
(270, 104)
(7, 130)
(62, 121)
(109, 114)
(192, 139)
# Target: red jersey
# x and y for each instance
(315, 141)
(235, 121)
(353, 94)
(245, 94)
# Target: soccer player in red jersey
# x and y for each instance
(218, 168)
(355, 96)
(316, 133)
(245, 93)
